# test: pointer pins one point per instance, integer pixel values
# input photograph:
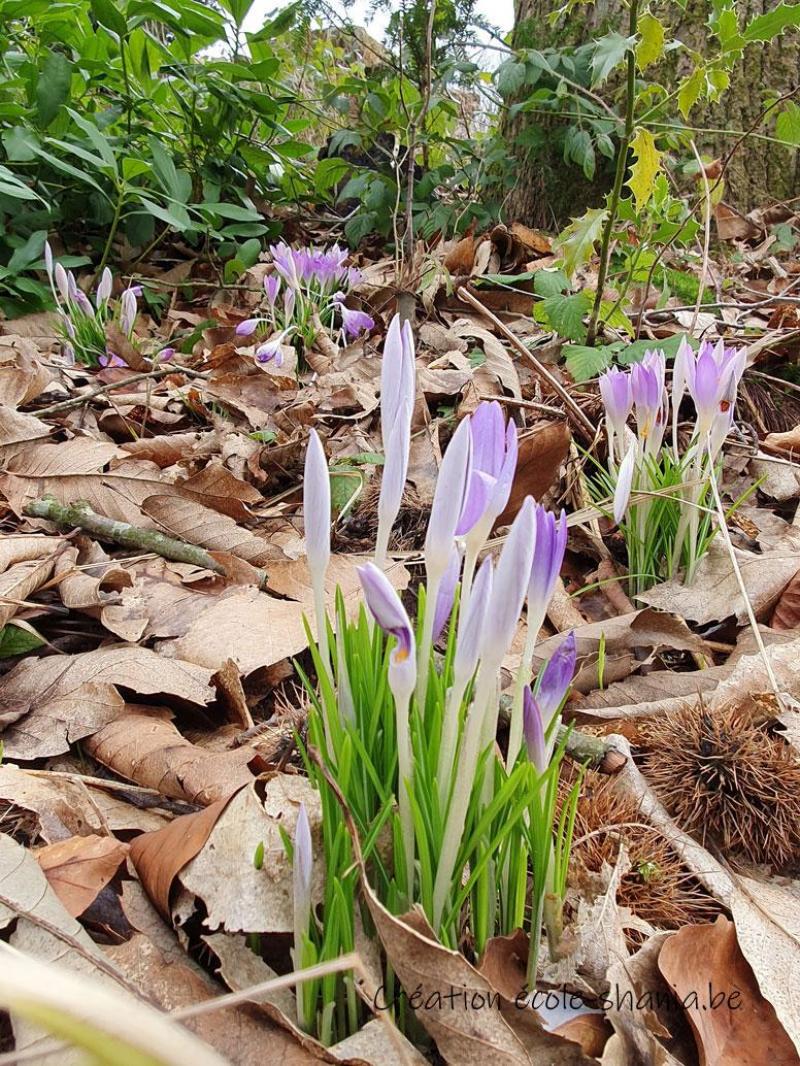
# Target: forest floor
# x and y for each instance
(149, 699)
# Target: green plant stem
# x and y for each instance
(619, 177)
(112, 230)
(128, 94)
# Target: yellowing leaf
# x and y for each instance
(690, 90)
(651, 43)
(646, 167)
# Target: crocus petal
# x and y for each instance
(127, 313)
(48, 259)
(471, 632)
(448, 501)
(248, 326)
(390, 614)
(104, 288)
(556, 678)
(551, 542)
(395, 470)
(615, 391)
(166, 354)
(317, 507)
(355, 322)
(509, 586)
(622, 493)
(533, 729)
(391, 378)
(272, 284)
(446, 596)
(62, 282)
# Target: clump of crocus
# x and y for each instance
(83, 320)
(409, 735)
(306, 286)
(661, 494)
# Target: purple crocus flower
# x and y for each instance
(471, 633)
(551, 542)
(103, 293)
(355, 322)
(390, 614)
(712, 378)
(317, 506)
(127, 311)
(111, 359)
(509, 586)
(533, 729)
(285, 264)
(448, 502)
(250, 325)
(447, 592)
(622, 492)
(165, 355)
(650, 399)
(555, 678)
(302, 870)
(62, 282)
(398, 393)
(48, 259)
(270, 352)
(272, 285)
(615, 390)
(494, 461)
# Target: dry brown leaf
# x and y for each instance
(166, 449)
(591, 1031)
(160, 856)
(785, 444)
(17, 430)
(24, 548)
(191, 521)
(786, 613)
(242, 1034)
(19, 583)
(23, 376)
(144, 748)
(646, 695)
(79, 868)
(715, 593)
(65, 698)
(532, 241)
(737, 1031)
(498, 360)
(542, 450)
(237, 896)
(81, 588)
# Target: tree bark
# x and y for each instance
(547, 191)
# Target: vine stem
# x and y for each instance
(113, 230)
(619, 177)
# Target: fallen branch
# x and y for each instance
(80, 515)
(599, 753)
(99, 390)
(572, 408)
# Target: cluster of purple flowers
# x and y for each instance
(83, 320)
(305, 282)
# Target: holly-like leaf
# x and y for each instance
(773, 23)
(565, 314)
(608, 52)
(690, 89)
(645, 168)
(651, 40)
(576, 243)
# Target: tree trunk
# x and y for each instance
(548, 191)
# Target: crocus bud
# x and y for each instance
(272, 284)
(104, 288)
(650, 399)
(48, 259)
(471, 633)
(270, 351)
(713, 378)
(390, 614)
(510, 586)
(622, 492)
(556, 678)
(615, 390)
(447, 592)
(62, 282)
(317, 507)
(533, 729)
(248, 326)
(302, 869)
(448, 502)
(398, 385)
(355, 322)
(494, 461)
(393, 482)
(551, 541)
(127, 312)
(288, 304)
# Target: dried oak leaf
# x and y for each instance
(742, 1025)
(79, 868)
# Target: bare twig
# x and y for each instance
(541, 370)
(99, 390)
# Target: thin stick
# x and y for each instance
(78, 401)
(541, 370)
(723, 525)
(706, 239)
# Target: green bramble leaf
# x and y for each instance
(586, 363)
(565, 314)
(772, 23)
(645, 169)
(608, 52)
(787, 128)
(510, 77)
(651, 43)
(550, 282)
(576, 243)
